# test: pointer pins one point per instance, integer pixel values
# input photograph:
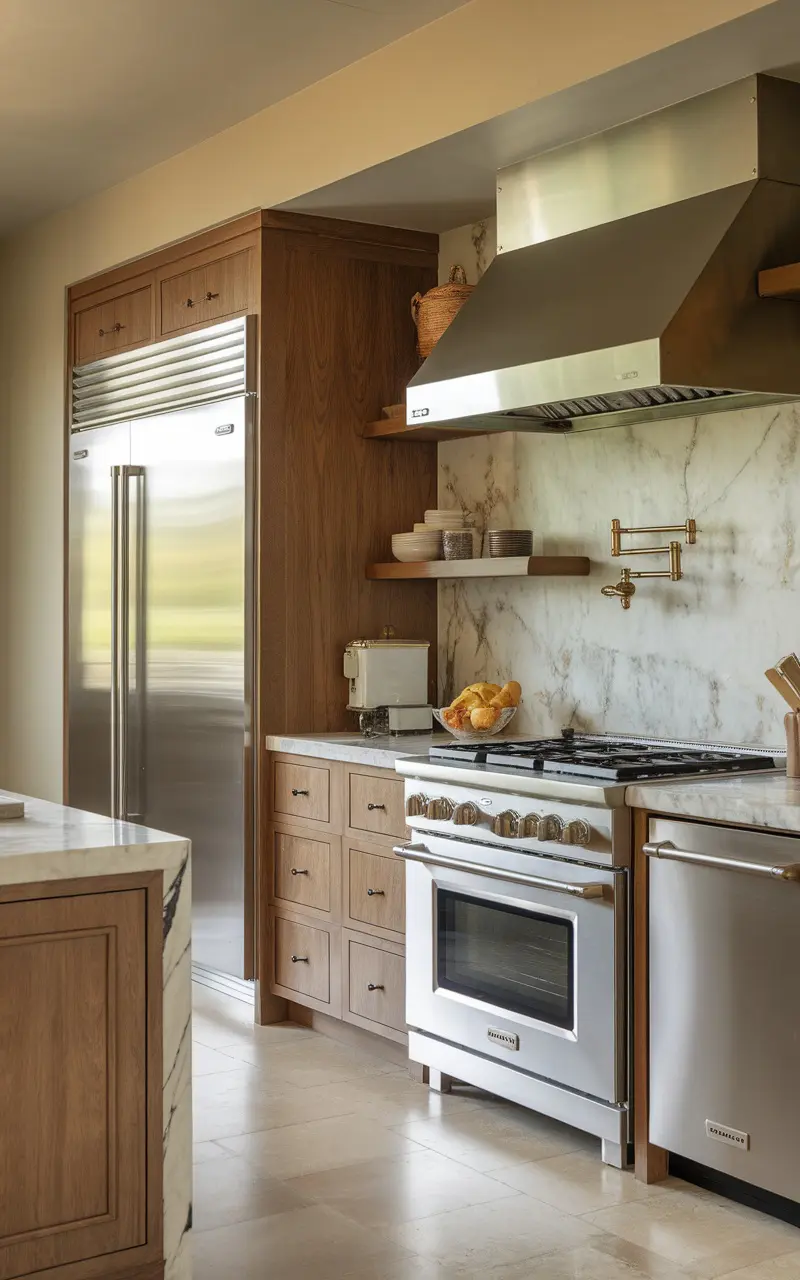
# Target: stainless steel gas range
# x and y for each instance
(518, 917)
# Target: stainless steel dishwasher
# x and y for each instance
(725, 1000)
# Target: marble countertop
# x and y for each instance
(771, 801)
(380, 752)
(54, 842)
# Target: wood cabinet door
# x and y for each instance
(113, 325)
(207, 293)
(73, 1080)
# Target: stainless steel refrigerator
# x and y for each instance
(161, 612)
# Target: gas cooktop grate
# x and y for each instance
(611, 761)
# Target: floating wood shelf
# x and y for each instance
(396, 428)
(780, 282)
(486, 567)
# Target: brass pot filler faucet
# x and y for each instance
(624, 589)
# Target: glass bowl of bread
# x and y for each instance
(481, 710)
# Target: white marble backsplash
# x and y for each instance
(687, 659)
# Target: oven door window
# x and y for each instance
(518, 960)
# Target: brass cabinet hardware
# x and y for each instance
(376, 893)
(372, 806)
(299, 959)
(297, 872)
(299, 791)
(624, 590)
(375, 986)
(115, 328)
(207, 297)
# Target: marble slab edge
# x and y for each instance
(767, 803)
(381, 753)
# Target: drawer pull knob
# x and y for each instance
(372, 806)
(297, 872)
(299, 959)
(115, 328)
(376, 893)
(375, 986)
(298, 791)
(207, 297)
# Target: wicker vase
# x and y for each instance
(435, 310)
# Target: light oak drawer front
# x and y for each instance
(302, 791)
(376, 984)
(206, 293)
(113, 326)
(377, 890)
(376, 805)
(303, 959)
(302, 870)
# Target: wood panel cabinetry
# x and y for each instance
(207, 292)
(333, 908)
(80, 1177)
(109, 322)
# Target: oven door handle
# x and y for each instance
(419, 853)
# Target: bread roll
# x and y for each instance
(515, 689)
(503, 699)
(486, 690)
(484, 717)
(468, 699)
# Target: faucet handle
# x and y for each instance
(623, 589)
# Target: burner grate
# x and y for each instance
(608, 761)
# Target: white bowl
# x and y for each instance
(443, 513)
(474, 735)
(408, 547)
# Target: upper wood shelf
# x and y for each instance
(780, 282)
(486, 567)
(398, 429)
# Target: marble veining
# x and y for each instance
(687, 660)
(753, 800)
(53, 842)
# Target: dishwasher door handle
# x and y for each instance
(418, 853)
(667, 850)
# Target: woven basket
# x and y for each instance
(436, 309)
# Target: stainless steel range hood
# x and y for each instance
(625, 285)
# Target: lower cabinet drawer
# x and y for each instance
(375, 984)
(302, 872)
(303, 959)
(376, 890)
(375, 803)
(301, 791)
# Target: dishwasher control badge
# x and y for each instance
(723, 1133)
(506, 1038)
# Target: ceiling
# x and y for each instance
(93, 91)
(452, 181)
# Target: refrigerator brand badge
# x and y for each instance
(225, 430)
(79, 454)
(723, 1133)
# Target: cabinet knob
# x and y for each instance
(298, 791)
(376, 893)
(115, 328)
(207, 297)
(297, 872)
(375, 986)
(299, 959)
(372, 806)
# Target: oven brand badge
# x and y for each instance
(723, 1133)
(506, 1038)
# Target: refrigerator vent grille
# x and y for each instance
(195, 368)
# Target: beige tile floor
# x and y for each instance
(318, 1162)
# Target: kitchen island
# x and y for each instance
(95, 974)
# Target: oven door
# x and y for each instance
(524, 962)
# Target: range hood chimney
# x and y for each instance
(625, 285)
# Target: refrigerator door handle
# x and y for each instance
(120, 634)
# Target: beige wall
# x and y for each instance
(486, 58)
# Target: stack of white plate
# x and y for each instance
(444, 518)
(410, 547)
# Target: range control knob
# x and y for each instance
(440, 809)
(416, 806)
(466, 815)
(576, 832)
(529, 826)
(506, 824)
(550, 827)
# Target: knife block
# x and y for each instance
(792, 724)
